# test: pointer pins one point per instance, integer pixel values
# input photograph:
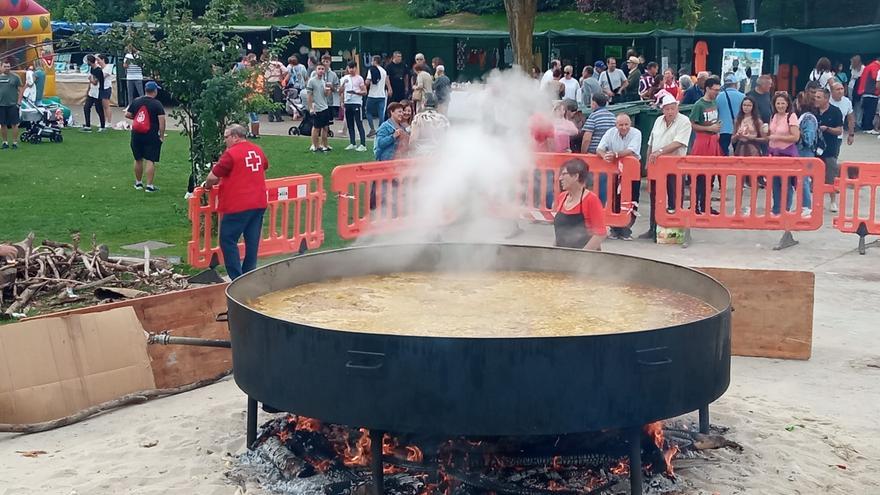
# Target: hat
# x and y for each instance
(600, 65)
(729, 78)
(632, 60)
(667, 99)
(570, 105)
(440, 68)
(430, 100)
(152, 86)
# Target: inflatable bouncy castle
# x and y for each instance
(26, 39)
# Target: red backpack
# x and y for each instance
(141, 124)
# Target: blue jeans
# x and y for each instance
(233, 225)
(789, 201)
(375, 109)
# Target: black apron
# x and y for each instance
(569, 227)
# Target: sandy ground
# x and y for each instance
(829, 402)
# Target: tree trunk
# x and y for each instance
(521, 22)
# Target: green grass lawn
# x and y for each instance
(86, 184)
(350, 13)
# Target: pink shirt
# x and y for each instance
(779, 125)
(562, 131)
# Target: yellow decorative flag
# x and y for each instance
(321, 39)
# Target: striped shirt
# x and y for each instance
(134, 71)
(598, 123)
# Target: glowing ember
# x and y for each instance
(621, 469)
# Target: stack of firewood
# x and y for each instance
(55, 275)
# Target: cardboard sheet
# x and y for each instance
(54, 367)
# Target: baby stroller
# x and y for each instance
(297, 108)
(40, 123)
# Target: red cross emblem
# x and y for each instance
(253, 161)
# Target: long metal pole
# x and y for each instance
(704, 419)
(635, 461)
(251, 422)
(376, 462)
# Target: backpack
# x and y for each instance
(811, 138)
(142, 119)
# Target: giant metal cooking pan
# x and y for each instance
(479, 386)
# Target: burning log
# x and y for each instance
(288, 464)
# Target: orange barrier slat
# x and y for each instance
(293, 219)
(864, 187)
(746, 206)
(393, 182)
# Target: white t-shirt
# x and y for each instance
(377, 90)
(846, 107)
(546, 78)
(617, 79)
(353, 83)
(855, 74)
(571, 88)
(134, 71)
(822, 78)
(108, 76)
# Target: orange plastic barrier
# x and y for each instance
(292, 222)
(544, 183)
(375, 197)
(743, 205)
(855, 192)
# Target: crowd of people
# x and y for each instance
(724, 119)
(352, 98)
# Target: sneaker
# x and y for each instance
(5, 146)
(139, 185)
(15, 146)
(371, 134)
(807, 212)
(612, 236)
(350, 147)
(670, 211)
(328, 148)
(151, 188)
(85, 129)
(625, 237)
(102, 129)
(361, 148)
(872, 132)
(324, 150)
(833, 208)
(312, 148)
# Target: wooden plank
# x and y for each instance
(187, 313)
(773, 311)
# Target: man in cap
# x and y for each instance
(599, 67)
(669, 136)
(147, 135)
(633, 79)
(729, 101)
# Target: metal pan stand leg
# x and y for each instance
(251, 422)
(635, 461)
(704, 419)
(376, 462)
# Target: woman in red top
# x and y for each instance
(580, 219)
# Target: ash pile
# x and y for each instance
(303, 456)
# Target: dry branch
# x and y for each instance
(135, 398)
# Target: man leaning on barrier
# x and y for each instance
(669, 136)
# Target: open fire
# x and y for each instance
(302, 448)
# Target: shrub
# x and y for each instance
(287, 7)
(427, 9)
(478, 6)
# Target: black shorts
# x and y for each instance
(334, 113)
(146, 148)
(105, 94)
(322, 119)
(9, 115)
